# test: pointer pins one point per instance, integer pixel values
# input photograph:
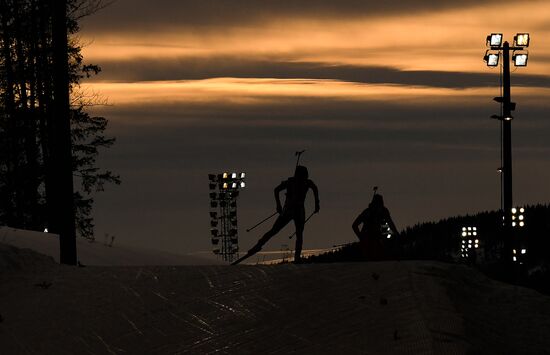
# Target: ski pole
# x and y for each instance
(262, 221)
(307, 219)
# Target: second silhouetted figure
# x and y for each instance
(296, 191)
(376, 221)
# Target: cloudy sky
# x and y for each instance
(386, 93)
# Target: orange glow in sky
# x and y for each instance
(449, 40)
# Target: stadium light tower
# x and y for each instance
(496, 50)
(224, 190)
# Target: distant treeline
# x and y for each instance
(442, 240)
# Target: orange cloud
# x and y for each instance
(448, 40)
(252, 90)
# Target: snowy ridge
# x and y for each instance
(97, 253)
(413, 307)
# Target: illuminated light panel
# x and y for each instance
(495, 39)
(522, 39)
(520, 60)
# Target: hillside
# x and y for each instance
(412, 307)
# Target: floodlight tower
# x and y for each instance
(520, 56)
(224, 190)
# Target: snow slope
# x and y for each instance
(98, 253)
(412, 307)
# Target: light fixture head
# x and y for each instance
(520, 60)
(225, 175)
(494, 40)
(521, 40)
(491, 59)
(243, 175)
(233, 175)
(243, 184)
(225, 185)
(234, 185)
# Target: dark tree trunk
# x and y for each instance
(64, 219)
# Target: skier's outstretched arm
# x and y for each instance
(315, 190)
(355, 226)
(277, 190)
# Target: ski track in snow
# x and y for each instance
(409, 308)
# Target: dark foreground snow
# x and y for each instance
(363, 308)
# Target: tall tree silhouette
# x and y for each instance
(48, 140)
(63, 219)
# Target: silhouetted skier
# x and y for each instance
(296, 190)
(372, 235)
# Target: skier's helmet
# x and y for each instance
(301, 172)
(377, 201)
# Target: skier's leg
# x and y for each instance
(299, 221)
(279, 224)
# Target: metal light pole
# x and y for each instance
(224, 190)
(507, 187)
(521, 41)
